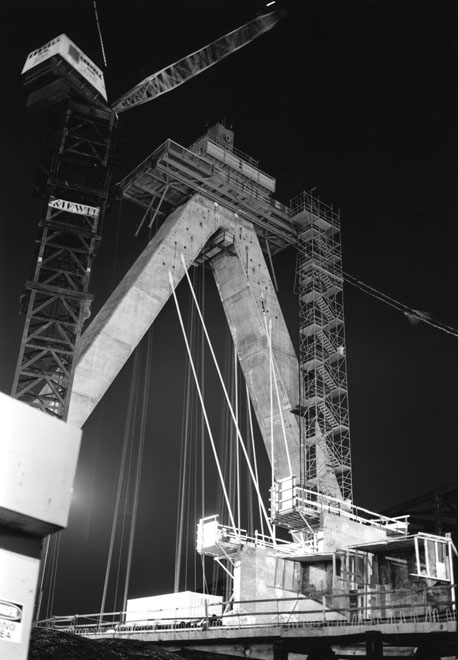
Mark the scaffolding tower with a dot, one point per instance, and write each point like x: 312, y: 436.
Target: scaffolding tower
x: 323, y: 407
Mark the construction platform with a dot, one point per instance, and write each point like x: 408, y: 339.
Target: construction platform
x: 292, y: 504
x: 394, y: 638
x: 172, y: 174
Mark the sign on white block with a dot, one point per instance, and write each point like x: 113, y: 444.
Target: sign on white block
x: 70, y: 52
x: 11, y: 621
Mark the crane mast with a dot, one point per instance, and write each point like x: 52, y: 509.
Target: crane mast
x: 78, y: 167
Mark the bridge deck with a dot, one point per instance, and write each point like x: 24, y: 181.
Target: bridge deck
x: 278, y: 632
x: 392, y: 639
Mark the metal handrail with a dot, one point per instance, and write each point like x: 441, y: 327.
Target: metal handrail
x: 266, y: 612
x: 352, y: 511
x: 308, y: 202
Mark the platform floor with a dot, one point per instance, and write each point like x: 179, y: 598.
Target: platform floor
x: 280, y: 642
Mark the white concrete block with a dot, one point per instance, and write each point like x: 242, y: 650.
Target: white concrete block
x: 38, y: 457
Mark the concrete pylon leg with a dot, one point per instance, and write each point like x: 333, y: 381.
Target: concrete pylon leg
x: 137, y: 300
x: 250, y: 303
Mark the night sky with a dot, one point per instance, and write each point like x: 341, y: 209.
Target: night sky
x: 356, y: 98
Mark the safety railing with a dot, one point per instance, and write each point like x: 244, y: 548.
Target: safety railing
x: 305, y: 201
x: 221, y: 533
x: 309, y: 499
x: 201, y: 142
x: 433, y: 605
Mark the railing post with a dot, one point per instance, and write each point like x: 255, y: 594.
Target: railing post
x: 324, y: 608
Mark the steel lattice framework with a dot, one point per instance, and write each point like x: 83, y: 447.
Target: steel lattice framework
x: 323, y: 409
x: 57, y: 302
x: 179, y: 72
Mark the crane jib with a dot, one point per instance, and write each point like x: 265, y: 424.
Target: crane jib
x: 191, y: 65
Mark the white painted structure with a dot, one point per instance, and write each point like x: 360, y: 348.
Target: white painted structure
x: 38, y: 457
x: 68, y: 51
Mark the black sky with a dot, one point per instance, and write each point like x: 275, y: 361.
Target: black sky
x: 357, y: 98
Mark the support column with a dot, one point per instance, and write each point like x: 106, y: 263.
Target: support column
x: 374, y: 645
x: 280, y: 651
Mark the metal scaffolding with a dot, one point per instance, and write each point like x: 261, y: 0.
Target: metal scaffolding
x: 323, y: 407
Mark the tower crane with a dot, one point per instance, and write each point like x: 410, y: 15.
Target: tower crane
x: 61, y: 79
x: 338, y: 548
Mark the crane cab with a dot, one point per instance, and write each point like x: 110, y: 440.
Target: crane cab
x: 59, y: 70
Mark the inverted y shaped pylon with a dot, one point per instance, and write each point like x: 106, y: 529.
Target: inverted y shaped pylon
x: 248, y: 299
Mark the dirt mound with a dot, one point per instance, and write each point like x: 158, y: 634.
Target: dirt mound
x: 48, y: 644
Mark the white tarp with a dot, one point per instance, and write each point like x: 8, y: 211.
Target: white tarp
x: 173, y: 607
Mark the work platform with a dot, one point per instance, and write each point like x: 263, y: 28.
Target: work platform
x: 172, y: 174
x: 399, y: 636
x: 292, y: 503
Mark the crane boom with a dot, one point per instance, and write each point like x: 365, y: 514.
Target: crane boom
x: 176, y: 74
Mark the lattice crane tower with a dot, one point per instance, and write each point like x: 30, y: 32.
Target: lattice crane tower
x: 77, y: 160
